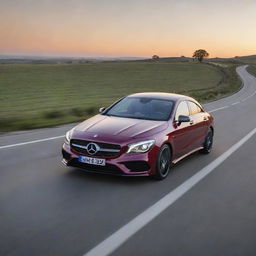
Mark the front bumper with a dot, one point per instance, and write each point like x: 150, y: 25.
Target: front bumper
x: 123, y: 165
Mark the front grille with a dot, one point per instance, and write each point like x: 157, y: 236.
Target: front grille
x: 136, y: 166
x: 107, y: 169
x: 106, y: 149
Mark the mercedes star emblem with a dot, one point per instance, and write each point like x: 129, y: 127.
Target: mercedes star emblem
x: 92, y: 148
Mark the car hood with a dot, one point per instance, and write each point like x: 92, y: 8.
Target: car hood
x: 111, y: 128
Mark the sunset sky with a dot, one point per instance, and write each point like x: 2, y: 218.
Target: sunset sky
x: 224, y: 28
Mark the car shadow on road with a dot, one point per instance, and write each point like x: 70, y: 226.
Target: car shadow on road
x: 180, y: 172
x: 77, y: 173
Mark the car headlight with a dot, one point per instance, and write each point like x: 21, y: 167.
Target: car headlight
x: 68, y: 137
x: 140, y: 147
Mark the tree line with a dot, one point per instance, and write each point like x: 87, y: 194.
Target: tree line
x: 198, y: 54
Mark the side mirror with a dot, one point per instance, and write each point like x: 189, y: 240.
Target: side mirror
x: 183, y: 119
x: 101, y: 109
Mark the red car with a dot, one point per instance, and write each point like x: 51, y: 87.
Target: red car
x: 142, y: 134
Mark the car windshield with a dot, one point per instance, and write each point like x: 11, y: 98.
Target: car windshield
x: 142, y: 108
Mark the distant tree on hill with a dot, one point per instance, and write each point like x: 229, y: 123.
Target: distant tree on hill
x: 155, y: 57
x: 200, y: 54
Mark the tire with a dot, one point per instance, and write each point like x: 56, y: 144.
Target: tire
x: 163, y: 163
x: 208, y: 142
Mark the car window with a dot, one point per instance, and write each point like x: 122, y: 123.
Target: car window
x: 142, y: 108
x: 182, y: 109
x: 194, y: 108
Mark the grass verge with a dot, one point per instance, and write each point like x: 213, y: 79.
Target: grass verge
x: 43, y: 95
x: 252, y: 69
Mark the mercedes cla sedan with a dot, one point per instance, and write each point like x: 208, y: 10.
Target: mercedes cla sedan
x: 142, y: 134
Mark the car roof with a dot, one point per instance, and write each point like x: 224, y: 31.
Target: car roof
x: 162, y: 95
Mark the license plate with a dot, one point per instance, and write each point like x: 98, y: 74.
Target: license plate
x: 90, y: 160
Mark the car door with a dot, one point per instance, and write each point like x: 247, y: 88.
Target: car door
x: 181, y: 136
x: 199, y: 124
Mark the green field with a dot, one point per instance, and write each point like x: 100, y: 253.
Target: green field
x: 252, y: 69
x: 39, y: 95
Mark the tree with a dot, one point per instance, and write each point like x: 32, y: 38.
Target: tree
x: 200, y: 54
x: 155, y: 57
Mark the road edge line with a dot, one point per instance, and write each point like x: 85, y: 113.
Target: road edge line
x: 119, y: 237
x: 31, y: 142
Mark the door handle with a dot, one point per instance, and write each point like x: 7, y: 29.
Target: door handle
x: 205, y: 118
x: 191, y: 122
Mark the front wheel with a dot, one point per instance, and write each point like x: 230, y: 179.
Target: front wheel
x: 207, y: 146
x: 163, y: 164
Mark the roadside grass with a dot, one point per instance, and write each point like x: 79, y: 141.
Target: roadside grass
x: 229, y: 83
x: 252, y: 69
x: 42, y: 95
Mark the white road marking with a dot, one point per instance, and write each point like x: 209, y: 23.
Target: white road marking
x: 214, y: 110
x: 30, y: 142
x: 245, y: 99
x: 114, y: 241
x: 248, y: 97
x: 235, y: 103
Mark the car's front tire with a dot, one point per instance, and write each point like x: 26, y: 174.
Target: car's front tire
x: 163, y: 164
x: 207, y: 146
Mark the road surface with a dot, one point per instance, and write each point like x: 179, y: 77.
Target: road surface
x: 206, y: 206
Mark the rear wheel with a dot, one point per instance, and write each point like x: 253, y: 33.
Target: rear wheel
x: 163, y: 165
x: 207, y: 146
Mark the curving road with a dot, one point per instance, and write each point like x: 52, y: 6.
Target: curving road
x: 206, y: 206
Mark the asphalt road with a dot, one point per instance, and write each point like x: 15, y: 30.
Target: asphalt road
x: 48, y: 209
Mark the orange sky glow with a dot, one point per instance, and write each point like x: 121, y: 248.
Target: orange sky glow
x: 140, y: 28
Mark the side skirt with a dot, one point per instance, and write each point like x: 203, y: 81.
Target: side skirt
x: 191, y: 152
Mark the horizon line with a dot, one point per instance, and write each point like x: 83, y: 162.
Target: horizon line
x: 25, y: 55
